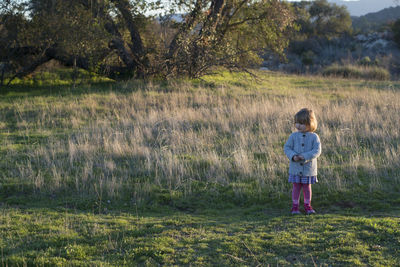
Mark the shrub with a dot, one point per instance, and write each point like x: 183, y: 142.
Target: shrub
x: 377, y: 73
x: 357, y: 72
x: 307, y: 58
x: 342, y: 71
x: 365, y: 61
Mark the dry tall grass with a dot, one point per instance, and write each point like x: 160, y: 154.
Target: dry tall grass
x: 130, y: 143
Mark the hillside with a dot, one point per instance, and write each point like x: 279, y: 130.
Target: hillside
x: 377, y: 20
x: 360, y: 8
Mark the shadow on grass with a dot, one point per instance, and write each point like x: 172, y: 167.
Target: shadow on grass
x: 220, y: 237
x: 20, y: 91
x: 203, y: 195
x: 12, y: 92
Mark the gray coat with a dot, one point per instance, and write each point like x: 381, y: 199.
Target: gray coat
x: 307, y: 145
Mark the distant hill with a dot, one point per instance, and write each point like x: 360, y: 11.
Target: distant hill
x: 362, y: 7
x: 376, y: 21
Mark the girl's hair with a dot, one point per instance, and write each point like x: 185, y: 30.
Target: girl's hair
x: 307, y: 117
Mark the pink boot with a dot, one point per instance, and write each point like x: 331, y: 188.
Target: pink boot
x: 309, y: 210
x: 307, y: 199
x: 295, y: 209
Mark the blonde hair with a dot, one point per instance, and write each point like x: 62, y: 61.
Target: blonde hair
x: 307, y: 117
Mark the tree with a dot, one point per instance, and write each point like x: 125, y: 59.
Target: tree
x: 12, y: 28
x: 322, y: 19
x: 118, y: 36
x: 51, y: 30
x: 70, y: 33
x: 227, y: 33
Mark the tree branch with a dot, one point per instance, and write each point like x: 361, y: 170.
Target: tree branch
x: 123, y: 6
x: 29, y: 69
x: 262, y: 16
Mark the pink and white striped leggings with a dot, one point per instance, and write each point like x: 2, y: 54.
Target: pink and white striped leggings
x: 306, y: 193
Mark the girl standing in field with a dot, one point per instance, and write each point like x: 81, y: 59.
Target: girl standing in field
x: 302, y: 149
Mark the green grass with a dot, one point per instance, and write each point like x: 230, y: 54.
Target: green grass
x: 53, y: 235
x: 193, y: 173
x: 58, y: 77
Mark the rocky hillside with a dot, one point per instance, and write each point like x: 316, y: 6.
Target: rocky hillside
x: 313, y: 55
x: 371, y: 43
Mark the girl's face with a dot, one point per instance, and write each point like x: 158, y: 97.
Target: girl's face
x: 301, y: 127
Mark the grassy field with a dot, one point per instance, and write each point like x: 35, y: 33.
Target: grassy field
x: 193, y: 173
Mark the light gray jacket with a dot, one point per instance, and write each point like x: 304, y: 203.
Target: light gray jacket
x: 307, y: 145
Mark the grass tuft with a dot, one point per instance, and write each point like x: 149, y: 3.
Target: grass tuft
x: 357, y: 72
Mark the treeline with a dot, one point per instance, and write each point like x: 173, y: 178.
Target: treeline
x: 327, y: 39
x: 118, y: 37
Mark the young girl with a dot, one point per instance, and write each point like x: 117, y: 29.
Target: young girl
x: 302, y: 149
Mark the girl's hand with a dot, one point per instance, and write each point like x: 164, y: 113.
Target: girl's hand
x: 297, y: 158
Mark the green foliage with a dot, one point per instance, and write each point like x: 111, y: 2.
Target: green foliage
x: 308, y: 57
x: 231, y: 35
x: 321, y: 19
x: 60, y: 76
x: 117, y: 37
x: 358, y: 72
x: 365, y: 61
x: 73, y: 28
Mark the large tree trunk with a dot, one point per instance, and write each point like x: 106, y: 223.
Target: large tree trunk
x: 117, y: 43
x: 199, y: 28
x: 123, y: 6
x: 190, y: 22
x: 136, y: 47
x: 173, y: 63
x: 133, y: 54
x: 3, y: 70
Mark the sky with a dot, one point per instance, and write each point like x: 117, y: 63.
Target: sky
x: 362, y: 7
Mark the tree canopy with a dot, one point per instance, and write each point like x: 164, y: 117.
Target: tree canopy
x: 118, y: 36
x: 320, y: 18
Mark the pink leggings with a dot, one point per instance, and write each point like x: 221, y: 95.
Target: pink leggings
x: 306, y: 193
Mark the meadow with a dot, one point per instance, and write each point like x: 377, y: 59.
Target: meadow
x: 192, y: 172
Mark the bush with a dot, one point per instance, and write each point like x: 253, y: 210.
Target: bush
x: 307, y: 58
x: 365, y: 61
x: 377, y: 73
x: 357, y: 72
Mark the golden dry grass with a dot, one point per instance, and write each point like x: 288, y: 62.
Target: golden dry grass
x: 137, y: 138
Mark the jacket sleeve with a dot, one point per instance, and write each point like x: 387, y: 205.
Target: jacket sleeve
x: 314, y: 152
x: 288, y: 148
